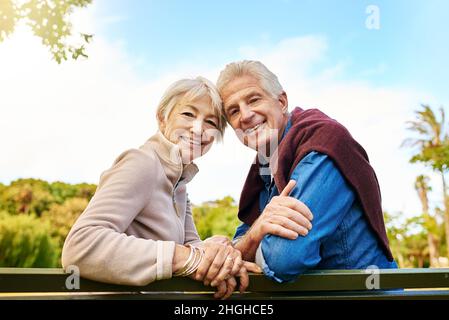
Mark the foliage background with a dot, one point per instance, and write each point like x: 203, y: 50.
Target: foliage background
x: 36, y: 216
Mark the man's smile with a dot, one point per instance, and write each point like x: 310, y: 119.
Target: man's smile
x: 256, y: 128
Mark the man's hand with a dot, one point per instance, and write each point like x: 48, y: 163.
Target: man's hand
x: 284, y: 216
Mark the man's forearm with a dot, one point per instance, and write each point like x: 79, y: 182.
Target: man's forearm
x: 248, y: 245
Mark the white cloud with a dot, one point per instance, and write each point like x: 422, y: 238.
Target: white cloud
x: 68, y: 122
x: 379, y: 69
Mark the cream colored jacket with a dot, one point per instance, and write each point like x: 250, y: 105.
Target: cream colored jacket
x: 128, y: 231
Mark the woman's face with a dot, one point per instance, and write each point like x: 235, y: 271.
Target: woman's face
x: 192, y: 125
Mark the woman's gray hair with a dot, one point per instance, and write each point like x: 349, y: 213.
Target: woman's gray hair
x: 188, y: 90
x: 268, y: 80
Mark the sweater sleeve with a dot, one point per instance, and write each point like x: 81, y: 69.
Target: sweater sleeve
x: 191, y: 234
x: 97, y: 243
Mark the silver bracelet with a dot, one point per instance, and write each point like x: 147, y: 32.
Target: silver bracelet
x: 182, y: 270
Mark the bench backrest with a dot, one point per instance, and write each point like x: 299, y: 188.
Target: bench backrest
x: 371, y: 283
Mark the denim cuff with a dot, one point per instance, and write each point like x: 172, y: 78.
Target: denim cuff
x: 260, y: 261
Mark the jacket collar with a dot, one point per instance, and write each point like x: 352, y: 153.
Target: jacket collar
x: 170, y: 157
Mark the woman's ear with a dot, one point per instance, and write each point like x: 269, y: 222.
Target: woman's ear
x: 161, y: 122
x: 283, y: 100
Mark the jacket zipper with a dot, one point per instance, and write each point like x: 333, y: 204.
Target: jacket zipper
x: 173, y: 195
x: 178, y: 221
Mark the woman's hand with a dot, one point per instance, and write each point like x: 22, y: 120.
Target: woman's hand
x: 217, y: 258
x: 219, y: 239
x: 219, y: 267
x: 226, y: 287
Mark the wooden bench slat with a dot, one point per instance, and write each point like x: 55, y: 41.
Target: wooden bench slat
x: 53, y: 280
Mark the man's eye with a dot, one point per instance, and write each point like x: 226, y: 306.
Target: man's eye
x: 232, y: 112
x: 188, y: 114
x: 254, y: 99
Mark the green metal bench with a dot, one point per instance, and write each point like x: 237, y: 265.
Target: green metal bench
x: 18, y: 283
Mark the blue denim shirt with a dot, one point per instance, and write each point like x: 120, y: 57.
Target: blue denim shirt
x: 340, y: 237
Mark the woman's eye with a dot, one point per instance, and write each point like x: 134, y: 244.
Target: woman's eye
x: 211, y: 123
x: 232, y: 112
x: 188, y: 114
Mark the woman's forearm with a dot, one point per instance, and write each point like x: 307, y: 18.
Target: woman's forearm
x: 180, y: 257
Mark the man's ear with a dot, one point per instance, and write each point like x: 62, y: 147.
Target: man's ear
x: 283, y: 100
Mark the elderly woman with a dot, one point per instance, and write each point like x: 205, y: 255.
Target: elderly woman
x: 138, y: 227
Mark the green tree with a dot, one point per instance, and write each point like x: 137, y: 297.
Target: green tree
x: 216, y: 218
x: 61, y: 218
x: 48, y: 19
x: 440, y: 230
x: 417, y: 250
x: 409, y: 239
x: 26, y: 196
x: 62, y: 191
x: 430, y: 225
x: 25, y: 242
x: 34, y: 196
x: 433, y: 142
x: 48, y: 207
x: 85, y: 190
x: 414, y: 242
x: 395, y: 234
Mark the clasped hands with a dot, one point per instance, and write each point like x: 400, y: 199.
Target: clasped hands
x: 221, y: 265
x: 284, y: 216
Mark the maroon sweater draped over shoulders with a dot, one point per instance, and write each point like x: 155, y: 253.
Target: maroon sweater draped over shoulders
x: 312, y: 130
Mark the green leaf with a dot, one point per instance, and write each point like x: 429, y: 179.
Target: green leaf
x: 49, y: 20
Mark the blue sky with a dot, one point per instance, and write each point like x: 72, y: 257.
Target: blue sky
x: 82, y: 114
x: 412, y: 44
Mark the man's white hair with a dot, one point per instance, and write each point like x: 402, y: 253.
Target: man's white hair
x: 189, y: 90
x: 268, y: 80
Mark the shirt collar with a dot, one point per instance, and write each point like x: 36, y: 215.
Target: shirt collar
x: 287, y: 127
x: 268, y: 177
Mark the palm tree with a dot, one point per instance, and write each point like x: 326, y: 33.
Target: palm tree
x: 422, y: 188
x: 434, y: 149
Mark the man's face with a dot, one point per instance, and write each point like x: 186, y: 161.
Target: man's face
x: 257, y: 118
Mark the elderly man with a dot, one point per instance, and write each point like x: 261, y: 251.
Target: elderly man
x: 331, y: 176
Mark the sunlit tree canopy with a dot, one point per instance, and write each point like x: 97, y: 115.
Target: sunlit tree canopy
x: 48, y: 20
